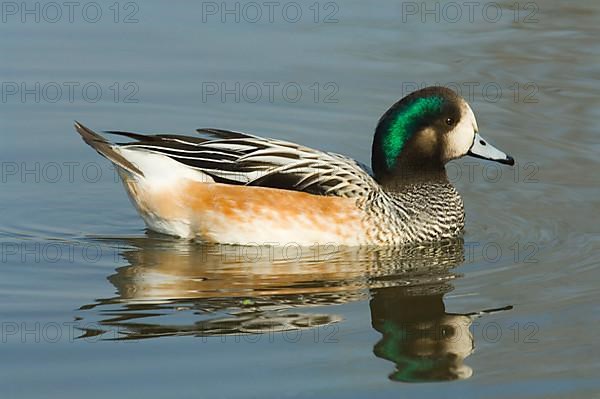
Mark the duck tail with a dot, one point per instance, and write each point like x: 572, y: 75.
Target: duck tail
x: 106, y: 149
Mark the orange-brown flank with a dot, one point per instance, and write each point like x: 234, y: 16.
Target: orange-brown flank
x: 236, y: 214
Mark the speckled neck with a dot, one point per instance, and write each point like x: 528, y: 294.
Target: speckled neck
x: 408, y: 177
x: 415, y: 212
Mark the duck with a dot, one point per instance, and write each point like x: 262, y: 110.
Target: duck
x: 230, y: 187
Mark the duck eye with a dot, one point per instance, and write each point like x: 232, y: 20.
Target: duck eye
x: 449, y: 121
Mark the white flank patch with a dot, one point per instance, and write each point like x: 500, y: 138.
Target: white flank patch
x: 161, y: 170
x: 161, y: 174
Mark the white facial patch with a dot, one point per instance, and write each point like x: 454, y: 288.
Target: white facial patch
x: 460, y: 139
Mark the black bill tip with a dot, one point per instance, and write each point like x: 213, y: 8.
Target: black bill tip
x: 508, y: 161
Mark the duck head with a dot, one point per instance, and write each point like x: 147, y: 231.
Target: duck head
x: 419, y: 134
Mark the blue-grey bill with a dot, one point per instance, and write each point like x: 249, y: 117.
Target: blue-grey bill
x: 483, y: 149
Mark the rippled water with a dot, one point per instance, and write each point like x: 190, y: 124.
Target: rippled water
x: 94, y: 305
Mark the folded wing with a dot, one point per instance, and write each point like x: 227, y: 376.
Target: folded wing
x: 238, y: 158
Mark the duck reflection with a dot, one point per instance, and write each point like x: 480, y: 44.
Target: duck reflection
x: 177, y: 288
x: 425, y: 342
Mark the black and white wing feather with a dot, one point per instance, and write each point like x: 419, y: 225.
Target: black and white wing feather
x: 238, y: 158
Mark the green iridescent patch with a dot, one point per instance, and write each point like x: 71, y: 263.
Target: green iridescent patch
x: 402, y: 127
